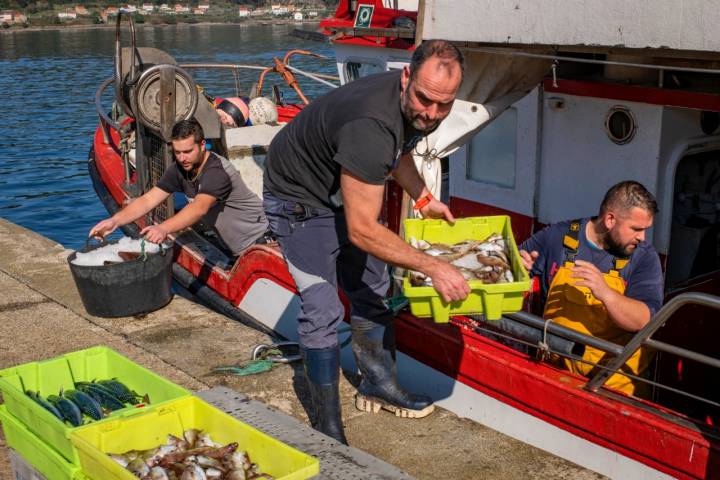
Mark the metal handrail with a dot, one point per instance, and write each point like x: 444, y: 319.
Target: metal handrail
x: 643, y: 337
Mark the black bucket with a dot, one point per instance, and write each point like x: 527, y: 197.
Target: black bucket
x: 124, y: 289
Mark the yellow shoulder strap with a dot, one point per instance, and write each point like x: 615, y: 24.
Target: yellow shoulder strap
x: 571, y: 241
x: 620, y: 263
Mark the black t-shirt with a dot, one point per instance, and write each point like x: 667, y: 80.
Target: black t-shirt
x: 358, y: 126
x: 237, y: 215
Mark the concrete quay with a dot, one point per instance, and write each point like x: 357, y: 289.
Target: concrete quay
x: 41, y: 316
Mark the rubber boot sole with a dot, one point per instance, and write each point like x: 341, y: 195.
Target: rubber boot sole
x: 374, y: 405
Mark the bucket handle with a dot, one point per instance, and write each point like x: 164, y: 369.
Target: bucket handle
x: 100, y: 243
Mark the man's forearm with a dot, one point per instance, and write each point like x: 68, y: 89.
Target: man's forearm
x: 133, y: 211
x: 186, y: 217
x: 627, y: 313
x: 379, y: 241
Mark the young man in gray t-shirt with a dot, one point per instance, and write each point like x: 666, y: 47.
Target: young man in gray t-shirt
x: 215, y: 191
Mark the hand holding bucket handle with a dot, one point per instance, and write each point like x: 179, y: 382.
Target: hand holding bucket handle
x: 104, y: 228
x: 100, y: 242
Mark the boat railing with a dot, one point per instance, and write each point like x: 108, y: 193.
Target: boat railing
x: 620, y: 354
x: 643, y: 338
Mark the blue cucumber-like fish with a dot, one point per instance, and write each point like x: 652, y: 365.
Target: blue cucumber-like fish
x: 102, y: 395
x: 69, y: 410
x: 121, y: 392
x: 88, y: 405
x: 45, y: 404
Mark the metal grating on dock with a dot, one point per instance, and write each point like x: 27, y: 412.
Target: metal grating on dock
x: 337, y: 461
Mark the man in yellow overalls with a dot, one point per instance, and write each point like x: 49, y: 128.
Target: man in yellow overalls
x: 600, y: 277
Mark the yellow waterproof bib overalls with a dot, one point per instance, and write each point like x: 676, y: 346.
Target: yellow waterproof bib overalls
x: 576, y: 307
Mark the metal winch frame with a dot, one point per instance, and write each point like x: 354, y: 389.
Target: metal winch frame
x: 156, y: 93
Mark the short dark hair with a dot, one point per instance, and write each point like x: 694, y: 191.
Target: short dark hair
x: 626, y: 195
x: 186, y: 128
x: 440, y: 48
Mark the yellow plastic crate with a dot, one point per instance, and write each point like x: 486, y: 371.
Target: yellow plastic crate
x: 46, y: 461
x: 150, y: 428
x: 493, y: 300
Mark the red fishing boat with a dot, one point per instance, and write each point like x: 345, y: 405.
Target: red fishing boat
x: 559, y: 102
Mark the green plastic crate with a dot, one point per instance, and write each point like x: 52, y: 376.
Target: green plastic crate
x: 492, y: 300
x: 49, y: 376
x: 44, y: 459
x: 151, y: 428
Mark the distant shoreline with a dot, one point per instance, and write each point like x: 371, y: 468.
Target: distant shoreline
x: 253, y: 22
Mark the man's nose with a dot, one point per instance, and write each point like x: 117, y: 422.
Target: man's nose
x: 432, y: 111
x: 641, y: 236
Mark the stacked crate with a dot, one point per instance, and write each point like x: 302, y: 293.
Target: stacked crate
x: 58, y: 451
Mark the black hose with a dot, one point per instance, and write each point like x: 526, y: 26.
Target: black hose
x: 528, y: 334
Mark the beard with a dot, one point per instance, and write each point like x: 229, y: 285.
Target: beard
x: 616, y: 248
x: 413, y: 118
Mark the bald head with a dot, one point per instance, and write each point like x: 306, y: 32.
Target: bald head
x: 446, y: 57
x: 429, y: 85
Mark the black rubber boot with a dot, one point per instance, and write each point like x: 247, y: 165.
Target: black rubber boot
x: 374, y: 347
x: 322, y: 370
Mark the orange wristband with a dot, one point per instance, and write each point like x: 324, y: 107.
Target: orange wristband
x: 423, y: 201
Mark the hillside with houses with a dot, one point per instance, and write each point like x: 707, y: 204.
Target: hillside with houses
x: 24, y: 13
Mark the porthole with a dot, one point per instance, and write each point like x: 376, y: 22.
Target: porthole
x: 620, y: 125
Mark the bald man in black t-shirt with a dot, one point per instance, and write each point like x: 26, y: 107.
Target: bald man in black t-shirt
x: 350, y: 141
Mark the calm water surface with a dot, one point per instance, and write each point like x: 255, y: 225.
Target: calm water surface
x: 48, y: 81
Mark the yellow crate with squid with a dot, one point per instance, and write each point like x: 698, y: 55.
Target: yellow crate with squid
x: 484, y: 249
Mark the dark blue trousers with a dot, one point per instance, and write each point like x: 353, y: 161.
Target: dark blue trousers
x: 320, y: 258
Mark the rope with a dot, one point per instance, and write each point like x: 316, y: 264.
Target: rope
x: 143, y: 253
x: 430, y: 154
x: 543, y: 352
x: 253, y: 367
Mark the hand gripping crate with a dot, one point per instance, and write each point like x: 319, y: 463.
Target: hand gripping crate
x: 150, y: 429
x: 49, y: 376
x: 492, y: 300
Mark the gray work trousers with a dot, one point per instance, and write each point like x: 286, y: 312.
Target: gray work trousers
x: 320, y: 258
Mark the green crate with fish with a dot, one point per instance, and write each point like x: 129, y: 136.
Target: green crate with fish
x: 35, y: 453
x: 484, y: 250
x: 55, y: 397
x: 187, y: 439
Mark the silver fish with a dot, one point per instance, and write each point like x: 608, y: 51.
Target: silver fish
x: 238, y: 474
x: 191, y: 436
x: 193, y: 472
x: 120, y: 459
x: 207, y: 462
x: 159, y: 473
x: 213, y: 473
x: 139, y: 467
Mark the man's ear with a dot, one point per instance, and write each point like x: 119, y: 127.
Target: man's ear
x: 202, y: 145
x: 610, y: 219
x: 405, y: 78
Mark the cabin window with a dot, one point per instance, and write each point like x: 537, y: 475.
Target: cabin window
x: 357, y: 69
x: 493, y: 152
